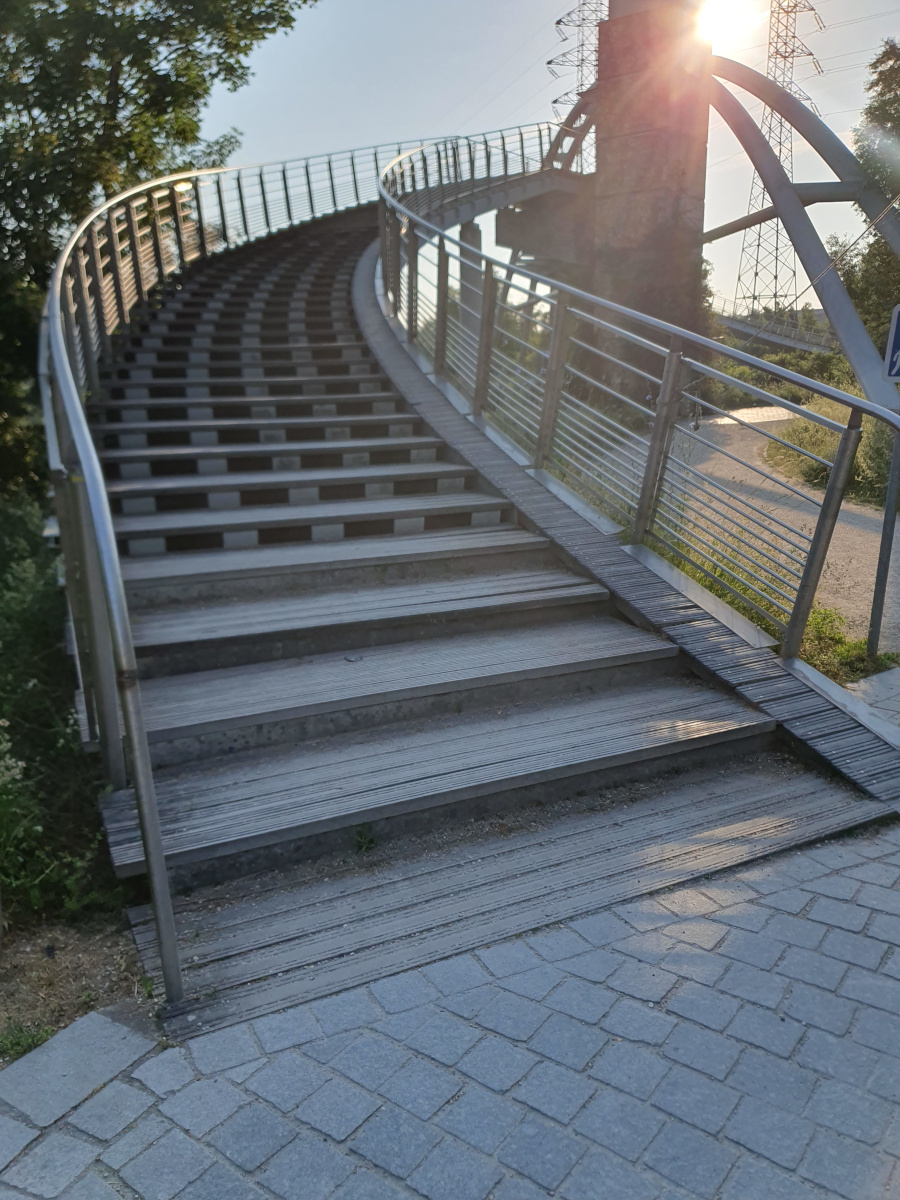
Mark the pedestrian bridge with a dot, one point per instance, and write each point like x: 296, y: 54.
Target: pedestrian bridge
x: 365, y: 529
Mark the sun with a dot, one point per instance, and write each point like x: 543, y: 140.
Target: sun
x: 728, y: 24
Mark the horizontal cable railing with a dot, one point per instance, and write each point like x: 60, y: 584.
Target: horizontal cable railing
x: 638, y: 417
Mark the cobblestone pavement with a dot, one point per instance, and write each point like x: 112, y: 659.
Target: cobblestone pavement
x: 736, y: 1038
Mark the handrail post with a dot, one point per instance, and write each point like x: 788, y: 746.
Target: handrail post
x: 334, y: 199
x: 243, y: 206
x: 885, y: 553
x: 178, y: 226
x: 394, y: 262
x: 553, y: 380
x: 821, y: 541
x: 137, y: 265
x: 112, y: 239
x: 201, y: 224
x: 88, y: 319
x: 412, y: 282
x: 440, y: 323
x: 95, y: 271
x: 309, y: 189
x: 354, y: 177
x: 222, y: 217
x: 485, y: 340
x: 264, y: 201
x: 287, y: 195
x: 660, y: 442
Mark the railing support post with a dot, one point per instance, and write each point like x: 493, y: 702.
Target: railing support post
x: 178, y: 226
x: 818, y: 551
x: 556, y: 363
x: 485, y: 340
x: 137, y: 266
x: 660, y: 442
x: 884, y: 556
x: 440, y: 322
x: 412, y: 282
x: 394, y: 259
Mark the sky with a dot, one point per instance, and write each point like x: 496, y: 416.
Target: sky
x: 353, y: 73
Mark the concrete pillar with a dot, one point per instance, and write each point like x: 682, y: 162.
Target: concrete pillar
x: 470, y: 281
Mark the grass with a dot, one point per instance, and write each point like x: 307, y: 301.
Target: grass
x: 843, y: 659
x: 18, y: 1039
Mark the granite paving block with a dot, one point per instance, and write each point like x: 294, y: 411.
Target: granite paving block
x: 533, y: 984
x: 757, y: 1180
x: 853, y: 948
x: 619, y: 1123
x: 202, y: 1105
x: 519, y: 1189
x: 629, y: 1068
x: 845, y: 1167
x: 595, y: 966
x: 743, y: 916
x: 509, y: 958
x: 882, y: 899
x: 835, y: 887
x: 771, y: 1132
x: 444, y: 1038
x: 14, y: 1137
x: 567, y: 1041
x: 642, y: 981
x: 370, y: 1059
x: 147, y: 1131
x: 395, y: 1141
x: 220, y: 1183
x: 879, y: 1030
x: 885, y: 928
x: 554, y: 944
x: 695, y: 1099
x: 699, y: 932
x: 780, y: 1084
x: 752, y: 984
x: 453, y: 1172
x: 813, y: 1006
x: 793, y: 931
x: 225, y: 1048
x: 602, y: 1173
x: 837, y: 1057
x: 470, y: 1004
x: 460, y: 974
x: 421, y: 1088
x: 324, y: 1050
x: 813, y: 968
x: 166, y: 1072
x: 50, y: 1165
x: 690, y: 1158
x: 252, y: 1136
x: 692, y: 962
x: 54, y: 1078
x: 512, y: 1016
x: 400, y: 992
x: 307, y: 1169
x: 169, y: 1165
x: 366, y: 1185
x: 885, y: 1080
x: 703, y: 1005
x: 111, y: 1110
x: 638, y: 1023
x: 337, y: 1108
x: 496, y: 1064
x: 287, y: 1080
x: 242, y: 1073
x: 871, y: 989
x: 580, y: 999
x: 480, y: 1118
x: 645, y: 914
x: 347, y: 1010
x: 875, y: 872
x: 541, y: 1152
x: 725, y: 891
x: 702, y: 1049
x: 791, y: 900
x: 402, y: 1025
x: 601, y: 929
x: 848, y: 1110
x: 89, y: 1187
x: 756, y: 949
x: 840, y: 915
x: 282, y: 1030
x: 555, y: 1091
x: 649, y: 947
x: 759, y: 1027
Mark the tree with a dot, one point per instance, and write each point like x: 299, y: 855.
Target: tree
x: 877, y: 137
x: 96, y: 95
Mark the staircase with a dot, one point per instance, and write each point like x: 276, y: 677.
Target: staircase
x: 337, y: 621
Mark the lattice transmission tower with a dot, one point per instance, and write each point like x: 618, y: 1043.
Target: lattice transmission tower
x: 767, y: 281
x: 578, y: 63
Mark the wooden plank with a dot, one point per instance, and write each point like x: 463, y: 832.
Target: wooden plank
x: 307, y: 477
x: 270, y: 449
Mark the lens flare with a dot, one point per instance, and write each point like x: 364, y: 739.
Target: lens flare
x: 729, y: 24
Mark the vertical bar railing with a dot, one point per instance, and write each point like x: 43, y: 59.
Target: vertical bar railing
x: 553, y: 380
x: 485, y: 340
x: 441, y: 314
x: 660, y: 442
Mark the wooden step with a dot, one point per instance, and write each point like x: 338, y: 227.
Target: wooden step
x: 253, y: 800
x: 411, y: 443
x: 253, y: 425
x: 100, y: 409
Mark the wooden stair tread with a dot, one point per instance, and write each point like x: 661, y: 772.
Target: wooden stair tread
x: 211, y: 424
x: 271, y: 449
x: 310, y: 477
x: 338, y: 399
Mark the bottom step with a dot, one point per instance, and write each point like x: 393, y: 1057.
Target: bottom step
x: 246, y: 801
x: 276, y: 942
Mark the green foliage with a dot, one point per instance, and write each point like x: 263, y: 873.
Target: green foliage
x: 364, y: 839
x: 827, y: 648
x: 52, y: 861
x: 877, y: 137
x: 18, y: 1039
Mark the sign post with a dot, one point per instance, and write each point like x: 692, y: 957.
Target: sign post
x: 892, y: 355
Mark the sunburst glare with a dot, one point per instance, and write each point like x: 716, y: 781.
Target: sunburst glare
x: 729, y: 24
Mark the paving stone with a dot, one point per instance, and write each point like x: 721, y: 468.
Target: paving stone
x: 395, y: 1141
x: 519, y: 1189
x: 307, y: 1169
x: 496, y: 1064
x: 702, y: 1049
x: 771, y: 1132
x: 509, y: 958
x: 691, y: 901
x: 644, y: 914
x: 282, y: 1030
x: 400, y: 992
x: 842, y: 916
x: 846, y: 1109
x: 619, y: 1123
x: 580, y: 999
x: 849, y: 1169
x: 202, y: 1105
x: 834, y: 856
x: 219, y: 1183
x: 568, y: 1041
x: 72, y: 1065
x: 813, y: 1006
x: 892, y: 966
x: 764, y: 877
x: 756, y: 949
x: 347, y: 1010
x: 555, y: 944
x: 328, y: 1048
x: 111, y: 1110
x: 242, y: 1073
x: 780, y: 1084
x: 453, y: 1172
x: 692, y: 962
x: 555, y: 1091
x: 161, y: 1171
x: 643, y: 981
x: 89, y: 1187
x: 837, y: 1057
x: 879, y: 1030
x: 601, y: 929
x: 460, y: 974
x: 226, y: 1048
x: 512, y: 1016
x: 703, y: 1005
x: 796, y: 932
x: 752, y: 984
x: 853, y: 948
x: 699, y: 932
x: 891, y: 1141
x: 638, y: 1023
x: 480, y: 1118
x: 51, y: 1164
x: 791, y: 900
x: 470, y: 1004
x: 695, y: 1099
x: 595, y: 966
x: 648, y: 947
x: 743, y: 916
x: 534, y: 984
x: 421, y: 1088
x: 875, y: 872
x: 886, y: 928
x: 886, y: 1080
x: 812, y: 968
x: 690, y: 1158
x: 147, y: 1131
x: 726, y: 891
x: 365, y: 1185
x: 287, y: 1080
x: 629, y: 1068
x: 601, y: 1173
x: 14, y: 1136
x: 338, y: 1108
x: 402, y: 1025
x: 370, y: 1060
x: 882, y: 899
x: 166, y: 1072
x: 757, y: 1180
x: 444, y: 1038
x: 835, y: 887
x: 252, y: 1136
x: 771, y: 1032
x: 541, y: 1152
x: 871, y: 989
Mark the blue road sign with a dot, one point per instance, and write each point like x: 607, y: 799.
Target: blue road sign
x: 892, y: 357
